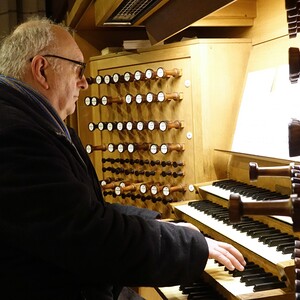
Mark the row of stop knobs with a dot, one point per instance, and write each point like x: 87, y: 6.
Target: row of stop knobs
x: 136, y: 76
x: 142, y: 162
x: 132, y: 147
x: 138, y: 125
x: 122, y: 187
x: 144, y: 198
x: 147, y: 173
x: 125, y: 166
x: 129, y: 98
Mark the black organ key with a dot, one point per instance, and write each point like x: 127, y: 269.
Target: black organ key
x: 245, y: 227
x: 268, y: 286
x: 254, y: 275
x: 243, y: 189
x: 232, y: 186
x: 256, y: 232
x: 240, y: 226
x: 262, y: 195
x: 289, y: 249
x: 201, y: 290
x: 194, y: 289
x: 255, y: 270
x: 267, y: 233
x: 272, y: 239
x: 254, y: 191
x: 278, y: 242
x: 248, y: 277
x: 272, y: 196
x: 266, y: 238
x: 250, y: 268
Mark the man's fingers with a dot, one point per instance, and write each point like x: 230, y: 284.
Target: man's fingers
x: 226, y: 254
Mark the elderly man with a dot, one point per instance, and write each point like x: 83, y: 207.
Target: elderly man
x: 59, y: 239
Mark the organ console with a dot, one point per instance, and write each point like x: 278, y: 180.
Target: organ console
x: 212, y: 180
x: 263, y: 224
x: 268, y: 242
x: 189, y: 146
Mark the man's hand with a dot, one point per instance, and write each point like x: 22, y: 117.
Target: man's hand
x: 222, y: 252
x: 226, y: 254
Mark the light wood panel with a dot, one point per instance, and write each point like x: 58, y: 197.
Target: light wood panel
x: 238, y: 13
x: 211, y: 83
x: 270, y: 22
x: 180, y: 15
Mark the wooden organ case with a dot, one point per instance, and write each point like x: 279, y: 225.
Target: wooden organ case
x: 202, y: 149
x: 155, y: 117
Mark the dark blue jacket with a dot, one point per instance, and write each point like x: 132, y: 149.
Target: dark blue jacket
x: 59, y: 239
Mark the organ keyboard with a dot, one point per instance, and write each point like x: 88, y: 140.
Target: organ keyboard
x: 268, y: 241
x: 219, y: 283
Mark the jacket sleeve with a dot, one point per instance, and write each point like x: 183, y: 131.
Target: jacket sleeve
x: 136, y: 211
x: 48, y: 211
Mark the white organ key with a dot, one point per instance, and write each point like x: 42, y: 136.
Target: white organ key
x: 269, y: 253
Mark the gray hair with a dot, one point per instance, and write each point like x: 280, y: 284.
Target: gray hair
x: 33, y: 37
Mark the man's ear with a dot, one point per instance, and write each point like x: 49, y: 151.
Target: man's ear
x: 38, y: 68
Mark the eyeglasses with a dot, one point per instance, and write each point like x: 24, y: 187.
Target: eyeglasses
x: 82, y: 64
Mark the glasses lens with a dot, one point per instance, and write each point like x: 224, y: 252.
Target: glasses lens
x: 81, y: 73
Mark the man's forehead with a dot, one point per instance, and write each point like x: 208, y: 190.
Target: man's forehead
x: 67, y: 43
